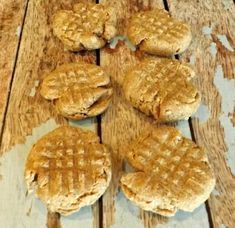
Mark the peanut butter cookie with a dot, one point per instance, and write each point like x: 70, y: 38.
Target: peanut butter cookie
x: 80, y: 90
x: 156, y: 32
x: 161, y: 88
x: 88, y: 26
x: 172, y: 172
x: 68, y: 168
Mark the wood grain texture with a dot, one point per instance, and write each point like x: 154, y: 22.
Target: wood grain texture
x: 27, y: 112
x: 212, y: 54
x: 11, y: 21
x: 121, y: 124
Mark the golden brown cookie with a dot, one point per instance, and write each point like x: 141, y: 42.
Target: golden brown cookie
x: 80, y: 90
x: 68, y: 168
x: 87, y: 26
x: 172, y: 172
x: 157, y: 33
x: 161, y: 88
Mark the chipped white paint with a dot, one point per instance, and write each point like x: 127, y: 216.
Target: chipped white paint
x: 215, y: 192
x: 203, y: 113
x: 89, y: 124
x: 226, y: 89
x: 223, y: 39
x: 192, y: 59
x: 222, y: 226
x: 213, y: 49
x: 196, y: 219
x: 18, y: 30
x: 115, y: 40
x: 227, y: 4
x: 17, y: 209
x: 206, y: 30
x: 33, y: 90
x: 183, y: 126
x: 80, y: 219
x: 126, y: 213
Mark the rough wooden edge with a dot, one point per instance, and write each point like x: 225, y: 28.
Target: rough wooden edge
x: 10, y: 50
x: 213, y: 58
x: 14, y: 101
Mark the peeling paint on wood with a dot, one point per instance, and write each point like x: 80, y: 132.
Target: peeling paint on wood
x: 192, y: 59
x: 17, y: 208
x: 18, y: 30
x: 213, y: 49
x: 210, y: 134
x: 89, y: 124
x: 206, y: 30
x: 115, y: 40
x: 196, y: 219
x: 79, y: 219
x: 33, y: 90
x: 184, y: 128
x: 203, y: 113
x: 224, y: 87
x: 227, y: 4
x: 222, y: 226
x: 27, y: 209
x: 224, y: 40
x: 127, y: 213
x: 215, y: 192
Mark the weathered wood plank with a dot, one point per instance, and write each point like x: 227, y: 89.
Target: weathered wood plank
x: 121, y: 124
x: 212, y: 54
x: 29, y: 116
x: 11, y: 19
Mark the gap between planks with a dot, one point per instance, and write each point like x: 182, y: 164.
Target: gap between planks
x: 99, y: 119
x: 12, y: 74
x: 209, y: 215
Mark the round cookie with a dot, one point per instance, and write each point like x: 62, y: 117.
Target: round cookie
x: 157, y: 33
x: 80, y: 90
x: 68, y: 168
x: 172, y: 172
x: 161, y: 88
x: 88, y: 26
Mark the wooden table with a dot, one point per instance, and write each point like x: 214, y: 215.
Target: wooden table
x: 28, y: 49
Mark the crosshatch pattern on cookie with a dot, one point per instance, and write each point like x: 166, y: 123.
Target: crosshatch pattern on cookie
x: 172, y: 172
x: 169, y: 157
x: 161, y: 88
x: 80, y: 90
x: 158, y: 33
x: 87, y: 26
x: 68, y: 163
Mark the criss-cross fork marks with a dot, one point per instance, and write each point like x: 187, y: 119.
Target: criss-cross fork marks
x: 69, y: 165
x: 171, y: 160
x: 85, y: 18
x: 160, y: 25
x: 159, y: 82
x: 73, y: 75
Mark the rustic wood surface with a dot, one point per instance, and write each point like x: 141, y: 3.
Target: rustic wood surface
x: 213, y: 57
x: 28, y: 49
x: 11, y: 20
x: 122, y: 123
x: 29, y: 116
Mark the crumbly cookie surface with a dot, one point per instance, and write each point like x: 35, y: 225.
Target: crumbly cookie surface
x: 87, y: 26
x: 80, y: 90
x: 157, y: 33
x: 68, y: 168
x: 172, y: 172
x: 161, y: 88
